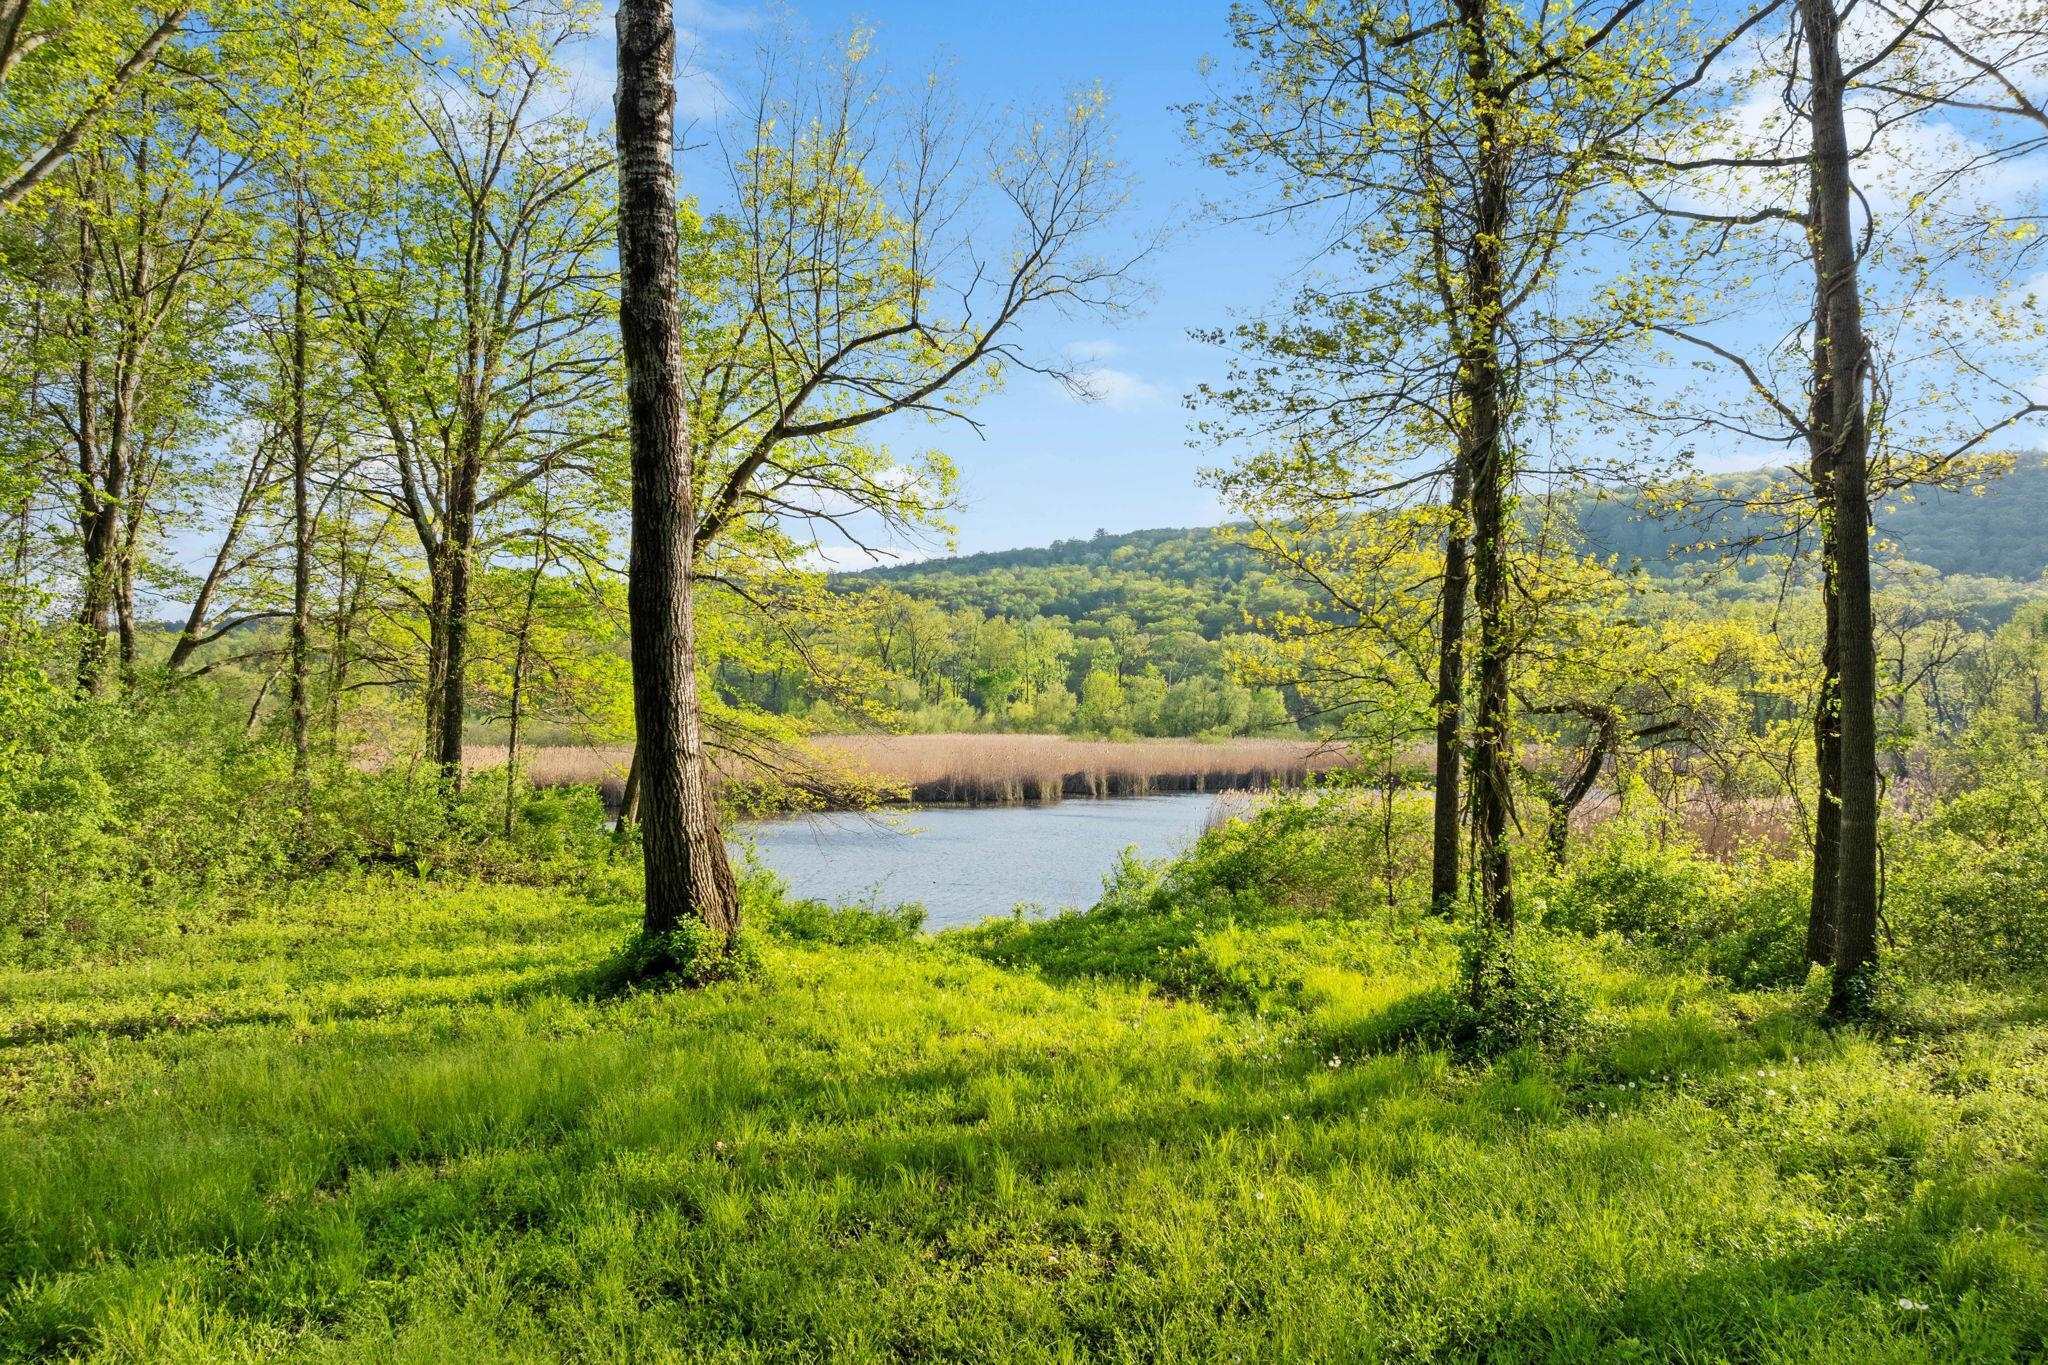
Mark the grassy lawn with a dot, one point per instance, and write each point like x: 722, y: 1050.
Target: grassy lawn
x: 386, y: 1121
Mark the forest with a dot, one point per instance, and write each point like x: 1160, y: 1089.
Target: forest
x: 473, y: 476
x: 1140, y: 629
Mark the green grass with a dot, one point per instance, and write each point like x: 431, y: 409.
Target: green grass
x: 384, y: 1121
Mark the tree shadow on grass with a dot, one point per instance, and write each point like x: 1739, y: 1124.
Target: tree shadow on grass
x: 953, y: 1127
x: 173, y: 1017
x: 1925, y: 1282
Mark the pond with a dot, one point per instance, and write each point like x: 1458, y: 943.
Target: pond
x: 966, y: 863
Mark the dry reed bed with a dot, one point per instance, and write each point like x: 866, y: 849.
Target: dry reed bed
x: 992, y: 769
x: 971, y: 769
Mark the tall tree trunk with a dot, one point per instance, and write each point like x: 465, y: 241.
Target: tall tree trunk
x: 520, y: 654
x: 458, y: 548
x: 1491, y: 740
x: 124, y: 608
x: 1847, y: 437
x: 437, y: 640
x: 1827, y: 715
x: 302, y: 524
x: 345, y: 604
x: 683, y: 851
x: 1485, y: 442
x: 1827, y: 755
x: 1446, y: 829
x: 96, y: 511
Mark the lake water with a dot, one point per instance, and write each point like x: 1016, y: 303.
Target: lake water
x: 966, y: 863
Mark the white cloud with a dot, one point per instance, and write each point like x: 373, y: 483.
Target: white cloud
x: 1113, y: 388
x: 1090, y: 379
x: 1093, y: 352
x: 844, y: 558
x: 591, y: 64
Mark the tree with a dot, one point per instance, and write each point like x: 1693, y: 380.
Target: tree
x: 688, y: 874
x: 144, y: 229
x: 1459, y: 151
x: 64, y: 69
x: 317, y: 105
x: 474, y: 296
x: 1736, y: 188
x: 844, y: 289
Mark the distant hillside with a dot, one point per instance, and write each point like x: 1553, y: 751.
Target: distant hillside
x: 2002, y: 534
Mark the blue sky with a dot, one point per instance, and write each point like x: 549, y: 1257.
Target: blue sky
x: 1050, y: 465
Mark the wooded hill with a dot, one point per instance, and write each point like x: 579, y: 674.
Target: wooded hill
x: 1996, y: 534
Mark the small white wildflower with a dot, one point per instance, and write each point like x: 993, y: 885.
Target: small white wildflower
x: 1913, y: 1305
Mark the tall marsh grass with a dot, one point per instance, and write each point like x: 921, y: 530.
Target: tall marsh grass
x: 974, y: 769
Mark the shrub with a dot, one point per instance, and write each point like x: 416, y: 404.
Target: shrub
x: 1518, y: 993
x: 1512, y: 993
x: 108, y: 809
x: 691, y: 954
x: 1967, y: 888
x: 1745, y: 923
x: 1754, y: 936
x: 118, y: 815
x: 1625, y: 881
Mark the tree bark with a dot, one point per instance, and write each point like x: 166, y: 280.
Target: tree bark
x: 302, y: 524
x: 1847, y: 440
x: 1827, y: 754
x: 124, y: 606
x: 1450, y: 699
x: 434, y: 690
x: 1487, y: 453
x: 457, y: 548
x: 96, y: 510
x: 629, y: 796
x: 520, y: 654
x: 682, y: 848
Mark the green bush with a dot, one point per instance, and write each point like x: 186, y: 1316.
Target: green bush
x: 1754, y: 936
x: 1511, y: 994
x: 1967, y: 887
x: 691, y: 954
x: 1744, y: 922
x: 118, y: 815
x: 1623, y: 880
x: 1518, y: 993
x: 109, y: 810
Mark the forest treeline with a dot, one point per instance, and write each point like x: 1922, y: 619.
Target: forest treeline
x: 1993, y: 532
x: 1136, y: 632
